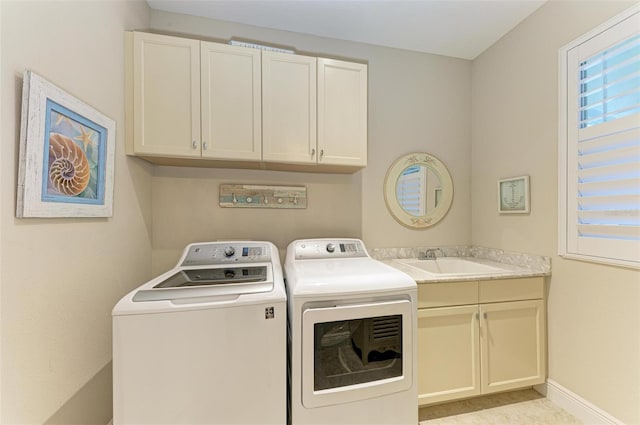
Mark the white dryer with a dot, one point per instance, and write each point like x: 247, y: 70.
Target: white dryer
x: 204, y: 343
x: 352, y: 330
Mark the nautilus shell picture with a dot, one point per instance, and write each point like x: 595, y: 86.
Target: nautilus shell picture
x: 73, y: 150
x: 67, y: 154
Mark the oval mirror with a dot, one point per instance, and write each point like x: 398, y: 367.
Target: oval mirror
x: 418, y: 190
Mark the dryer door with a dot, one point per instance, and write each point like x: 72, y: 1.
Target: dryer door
x: 356, y: 352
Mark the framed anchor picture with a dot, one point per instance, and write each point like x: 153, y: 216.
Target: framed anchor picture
x: 66, y: 154
x: 513, y: 195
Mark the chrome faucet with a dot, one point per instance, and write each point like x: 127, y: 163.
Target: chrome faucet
x: 431, y: 254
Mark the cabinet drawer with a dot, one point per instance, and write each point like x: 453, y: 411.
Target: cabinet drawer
x: 447, y: 294
x: 499, y: 290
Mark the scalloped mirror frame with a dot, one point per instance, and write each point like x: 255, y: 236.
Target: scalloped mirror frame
x: 391, y: 181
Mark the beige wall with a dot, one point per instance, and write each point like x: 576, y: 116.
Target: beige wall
x: 417, y: 102
x: 594, y: 310
x: 61, y: 277
x: 186, y: 209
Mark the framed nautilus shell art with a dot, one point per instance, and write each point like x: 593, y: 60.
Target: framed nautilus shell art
x: 66, y: 154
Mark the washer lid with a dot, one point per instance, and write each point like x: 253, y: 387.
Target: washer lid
x: 217, y: 276
x: 200, y: 282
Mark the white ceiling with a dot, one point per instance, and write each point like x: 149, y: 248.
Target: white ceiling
x: 457, y: 28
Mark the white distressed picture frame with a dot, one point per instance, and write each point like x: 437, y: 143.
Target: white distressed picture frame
x: 49, y: 189
x: 513, y: 195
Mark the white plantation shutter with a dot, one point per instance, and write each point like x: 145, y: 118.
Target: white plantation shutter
x: 411, y: 184
x: 599, y: 164
x: 609, y: 83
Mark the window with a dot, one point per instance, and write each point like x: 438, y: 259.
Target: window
x: 599, y: 144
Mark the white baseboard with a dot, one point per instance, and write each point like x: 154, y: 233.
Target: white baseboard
x: 582, y: 409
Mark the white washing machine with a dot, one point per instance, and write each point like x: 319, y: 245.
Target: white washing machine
x: 204, y: 343
x: 352, y: 330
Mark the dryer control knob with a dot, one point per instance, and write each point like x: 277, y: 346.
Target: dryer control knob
x: 229, y: 251
x: 331, y: 247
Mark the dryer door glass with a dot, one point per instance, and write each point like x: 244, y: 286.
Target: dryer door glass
x: 354, y: 352
x: 350, y: 352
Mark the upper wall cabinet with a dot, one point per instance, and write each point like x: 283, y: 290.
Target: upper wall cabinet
x: 193, y: 102
x: 195, y: 99
x: 314, y: 110
x: 231, y: 109
x: 289, y: 108
x: 166, y: 95
x: 342, y: 113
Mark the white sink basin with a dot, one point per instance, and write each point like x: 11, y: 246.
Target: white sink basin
x: 452, y: 266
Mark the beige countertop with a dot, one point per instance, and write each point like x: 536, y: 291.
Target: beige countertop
x: 511, y: 271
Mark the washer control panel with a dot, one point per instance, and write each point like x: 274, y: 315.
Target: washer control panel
x: 226, y: 252
x: 329, y: 248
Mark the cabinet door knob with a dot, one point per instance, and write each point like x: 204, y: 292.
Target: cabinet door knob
x: 194, y: 144
x: 484, y: 314
x: 313, y: 152
x: 204, y: 145
x: 321, y: 153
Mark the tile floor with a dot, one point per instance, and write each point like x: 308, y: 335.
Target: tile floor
x: 525, y: 407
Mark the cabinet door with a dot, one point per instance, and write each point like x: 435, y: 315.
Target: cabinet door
x: 231, y: 110
x: 513, y: 345
x: 448, y: 353
x: 342, y: 113
x: 166, y: 95
x: 288, y: 108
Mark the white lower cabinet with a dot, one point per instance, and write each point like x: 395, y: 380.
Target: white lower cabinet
x: 448, y: 353
x: 512, y: 336
x: 480, y: 348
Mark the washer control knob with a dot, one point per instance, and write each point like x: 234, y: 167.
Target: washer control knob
x: 331, y: 247
x: 229, y: 251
